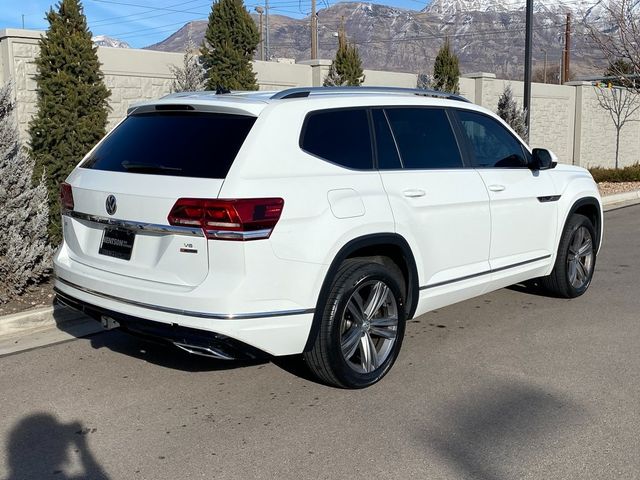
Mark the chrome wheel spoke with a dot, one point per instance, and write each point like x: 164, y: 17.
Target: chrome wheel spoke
x: 383, y: 332
x: 351, y: 341
x: 384, y: 322
x: 573, y: 272
x: 368, y: 353
x: 586, y: 248
x: 581, y: 271
x: 376, y: 299
x: 355, y: 308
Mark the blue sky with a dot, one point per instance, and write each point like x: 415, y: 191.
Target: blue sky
x: 144, y: 22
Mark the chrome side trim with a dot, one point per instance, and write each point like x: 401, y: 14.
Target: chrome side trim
x: 230, y: 235
x: 136, y: 226
x: 188, y: 313
x: 495, y: 270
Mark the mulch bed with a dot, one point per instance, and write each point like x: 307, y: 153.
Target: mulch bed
x: 42, y: 295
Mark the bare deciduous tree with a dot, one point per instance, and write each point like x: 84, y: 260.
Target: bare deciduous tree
x: 621, y: 104
x: 618, y: 37
x: 191, y: 76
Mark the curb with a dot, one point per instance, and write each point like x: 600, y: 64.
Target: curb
x: 632, y: 197
x: 58, y: 317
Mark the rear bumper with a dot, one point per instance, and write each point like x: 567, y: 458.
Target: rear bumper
x: 276, y: 332
x: 196, y: 341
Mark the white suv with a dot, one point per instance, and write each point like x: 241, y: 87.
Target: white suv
x: 314, y: 221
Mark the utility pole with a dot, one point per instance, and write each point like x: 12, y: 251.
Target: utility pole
x: 527, y: 67
x: 23, y: 21
x: 260, y: 11
x: 314, y: 31
x: 266, y: 8
x: 566, y: 71
x: 544, y: 71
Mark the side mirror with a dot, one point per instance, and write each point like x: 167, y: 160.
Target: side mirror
x: 543, y: 159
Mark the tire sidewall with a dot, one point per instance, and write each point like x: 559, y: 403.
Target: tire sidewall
x: 334, y: 312
x: 580, y: 221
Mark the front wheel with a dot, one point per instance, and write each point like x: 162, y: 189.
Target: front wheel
x: 362, y: 327
x: 576, y: 260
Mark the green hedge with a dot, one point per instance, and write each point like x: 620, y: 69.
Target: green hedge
x: 627, y: 174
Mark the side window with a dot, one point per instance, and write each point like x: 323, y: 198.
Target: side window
x: 388, y: 158
x: 493, y: 145
x: 424, y: 137
x: 339, y: 136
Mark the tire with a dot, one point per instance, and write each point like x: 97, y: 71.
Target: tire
x: 572, y: 274
x: 362, y: 326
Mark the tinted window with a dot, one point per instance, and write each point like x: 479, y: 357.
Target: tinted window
x: 340, y: 136
x: 424, y: 137
x: 190, y: 144
x: 491, y: 143
x: 388, y: 158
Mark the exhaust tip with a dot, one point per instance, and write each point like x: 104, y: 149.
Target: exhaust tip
x: 209, y: 351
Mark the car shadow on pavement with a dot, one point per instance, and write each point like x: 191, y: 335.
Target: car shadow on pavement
x: 491, y: 433
x: 39, y: 446
x: 531, y: 287
x: 164, y: 354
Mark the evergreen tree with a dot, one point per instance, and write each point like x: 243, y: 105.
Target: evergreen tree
x: 24, y: 253
x: 71, y: 104
x: 510, y: 112
x: 189, y: 77
x: 346, y: 69
x: 446, y: 70
x: 229, y: 44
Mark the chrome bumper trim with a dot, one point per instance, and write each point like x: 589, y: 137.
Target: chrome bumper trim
x: 136, y: 226
x: 188, y: 313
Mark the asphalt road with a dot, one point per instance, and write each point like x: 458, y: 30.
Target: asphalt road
x: 510, y: 385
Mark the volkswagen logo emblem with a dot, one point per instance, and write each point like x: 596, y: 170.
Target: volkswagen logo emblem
x: 111, y: 205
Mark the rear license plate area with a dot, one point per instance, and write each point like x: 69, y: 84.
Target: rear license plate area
x: 117, y: 243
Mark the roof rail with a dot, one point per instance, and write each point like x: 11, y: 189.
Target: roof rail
x: 304, y: 92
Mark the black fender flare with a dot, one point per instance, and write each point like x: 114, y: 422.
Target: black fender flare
x: 373, y: 240
x: 590, y: 201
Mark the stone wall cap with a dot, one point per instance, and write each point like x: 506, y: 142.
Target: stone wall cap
x: 479, y: 75
x: 317, y: 62
x: 578, y: 83
x: 20, y: 33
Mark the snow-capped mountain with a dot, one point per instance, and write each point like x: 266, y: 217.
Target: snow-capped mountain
x: 487, y: 35
x: 105, y: 41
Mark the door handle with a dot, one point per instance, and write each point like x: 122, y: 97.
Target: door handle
x: 497, y: 188
x: 414, y: 193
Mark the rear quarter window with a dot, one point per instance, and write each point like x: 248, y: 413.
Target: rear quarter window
x: 185, y: 144
x: 339, y: 136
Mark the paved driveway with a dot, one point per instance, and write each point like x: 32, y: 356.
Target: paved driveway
x: 509, y: 385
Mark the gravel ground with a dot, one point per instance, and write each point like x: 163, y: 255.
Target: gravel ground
x: 611, y: 188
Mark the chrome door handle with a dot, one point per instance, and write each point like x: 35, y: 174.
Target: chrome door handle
x: 497, y: 188
x: 414, y: 193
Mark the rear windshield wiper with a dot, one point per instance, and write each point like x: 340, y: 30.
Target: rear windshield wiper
x: 148, y: 167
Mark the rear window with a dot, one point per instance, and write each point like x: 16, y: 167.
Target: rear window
x: 192, y: 144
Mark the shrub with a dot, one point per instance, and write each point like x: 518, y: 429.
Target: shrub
x: 627, y: 174
x: 25, y: 256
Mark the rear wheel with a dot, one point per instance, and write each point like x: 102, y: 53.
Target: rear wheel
x: 362, y: 327
x: 576, y: 260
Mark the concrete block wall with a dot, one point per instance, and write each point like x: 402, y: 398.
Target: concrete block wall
x: 565, y: 118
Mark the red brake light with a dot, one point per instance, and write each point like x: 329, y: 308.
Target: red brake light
x: 66, y: 196
x: 242, y: 219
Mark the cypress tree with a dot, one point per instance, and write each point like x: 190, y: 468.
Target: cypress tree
x: 346, y: 69
x: 446, y: 70
x: 510, y: 112
x: 71, y: 102
x: 229, y: 44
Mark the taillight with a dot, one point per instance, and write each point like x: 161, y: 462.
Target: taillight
x: 242, y: 219
x: 66, y: 197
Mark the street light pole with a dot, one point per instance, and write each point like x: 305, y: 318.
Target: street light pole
x: 314, y: 31
x: 260, y: 11
x: 544, y: 75
x: 527, y: 67
x: 266, y: 8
